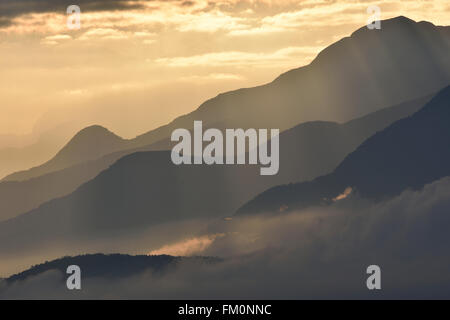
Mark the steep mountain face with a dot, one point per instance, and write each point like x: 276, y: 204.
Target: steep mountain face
x: 307, y: 151
x: 357, y: 75
x: 88, y: 144
x: 408, y: 154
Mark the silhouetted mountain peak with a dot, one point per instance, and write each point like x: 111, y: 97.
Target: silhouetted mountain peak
x: 400, y: 19
x: 398, y: 60
x: 397, y: 31
x: 90, y: 143
x: 95, y: 133
x: 394, y: 26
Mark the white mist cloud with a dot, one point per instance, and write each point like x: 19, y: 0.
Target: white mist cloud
x: 187, y: 247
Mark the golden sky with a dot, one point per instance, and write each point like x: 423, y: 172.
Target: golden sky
x: 135, y: 65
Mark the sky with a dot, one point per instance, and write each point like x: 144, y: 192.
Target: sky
x: 137, y: 64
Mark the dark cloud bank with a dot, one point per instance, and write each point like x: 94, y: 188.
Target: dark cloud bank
x: 10, y: 9
x: 315, y: 253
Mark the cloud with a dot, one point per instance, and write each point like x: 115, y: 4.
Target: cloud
x: 58, y: 37
x: 187, y: 247
x: 232, y: 58
x: 103, y: 33
x: 14, y: 8
x: 55, y: 39
x: 344, y: 194
x: 318, y: 253
x: 238, y: 18
x: 255, y: 40
x: 209, y: 22
x: 212, y: 76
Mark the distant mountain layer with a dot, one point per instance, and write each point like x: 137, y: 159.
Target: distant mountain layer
x: 307, y: 151
x: 409, y: 154
x: 355, y: 76
x: 109, y: 266
x: 33, y: 149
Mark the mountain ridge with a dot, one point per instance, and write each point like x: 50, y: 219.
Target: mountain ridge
x: 408, y: 154
x: 89, y: 143
x: 334, y: 142
x: 109, y: 265
x: 378, y: 64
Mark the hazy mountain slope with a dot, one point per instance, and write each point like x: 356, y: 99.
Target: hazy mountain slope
x: 308, y: 150
x: 32, y: 149
x: 408, y: 154
x: 13, y: 159
x: 17, y: 197
x: 355, y: 76
x: 88, y: 144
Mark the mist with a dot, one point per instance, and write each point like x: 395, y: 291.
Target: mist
x: 314, y: 253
